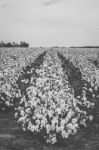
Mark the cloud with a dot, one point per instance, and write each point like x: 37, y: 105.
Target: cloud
x: 50, y: 22
x: 51, y: 2
x: 5, y: 4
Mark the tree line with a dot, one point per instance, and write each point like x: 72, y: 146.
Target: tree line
x: 84, y: 46
x: 14, y: 44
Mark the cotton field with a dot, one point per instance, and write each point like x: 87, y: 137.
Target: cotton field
x: 52, y: 92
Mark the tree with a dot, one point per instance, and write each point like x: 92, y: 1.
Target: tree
x: 9, y: 44
x: 24, y: 44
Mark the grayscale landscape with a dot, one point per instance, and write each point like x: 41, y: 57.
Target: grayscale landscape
x: 49, y: 75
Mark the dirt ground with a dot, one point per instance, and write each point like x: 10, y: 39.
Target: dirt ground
x: 13, y: 138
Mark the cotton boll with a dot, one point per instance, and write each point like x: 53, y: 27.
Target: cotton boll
x: 28, y: 110
x: 16, y: 114
x: 32, y: 128
x: 83, y: 122
x: 58, y: 110
x: 50, y: 114
x: 96, y: 88
x: 91, y: 118
x: 64, y: 134
x: 43, y: 122
x: 90, y: 89
x: 22, y: 112
x: 54, y: 140
x: 34, y: 92
x: 7, y: 103
x: 22, y: 119
x: 58, y: 129
x: 48, y: 128
x: 63, y: 122
x: 53, y: 125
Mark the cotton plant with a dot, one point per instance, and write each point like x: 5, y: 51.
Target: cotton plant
x: 48, y: 106
x: 8, y: 76
x: 88, y: 71
x: 13, y: 60
x: 81, y: 59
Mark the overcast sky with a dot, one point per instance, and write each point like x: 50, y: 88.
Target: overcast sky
x: 50, y: 22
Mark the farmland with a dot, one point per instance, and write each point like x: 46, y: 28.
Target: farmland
x: 75, y: 67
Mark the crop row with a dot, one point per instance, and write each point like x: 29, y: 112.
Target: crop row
x: 13, y: 60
